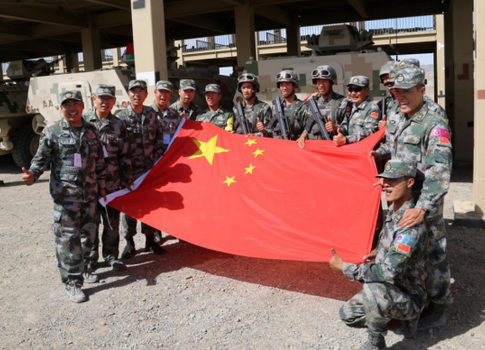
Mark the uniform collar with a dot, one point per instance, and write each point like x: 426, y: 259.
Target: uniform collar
x: 363, y: 104
x: 396, y: 217
x: 93, y: 117
x: 66, y: 125
x: 418, y: 117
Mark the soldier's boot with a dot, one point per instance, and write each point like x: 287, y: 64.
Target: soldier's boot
x: 432, y: 317
x: 409, y: 328
x: 75, y: 293
x: 152, y: 247
x: 374, y: 342
x: 89, y: 277
x: 116, y: 264
x: 130, y: 250
x: 157, y: 237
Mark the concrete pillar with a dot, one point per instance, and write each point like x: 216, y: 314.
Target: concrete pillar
x: 180, y: 52
x: 479, y: 97
x: 211, y: 42
x: 459, y: 84
x: 439, y: 66
x: 116, y: 56
x: 72, y: 62
x: 149, y: 42
x: 91, y: 41
x: 62, y: 65
x: 293, y: 44
x: 246, y: 44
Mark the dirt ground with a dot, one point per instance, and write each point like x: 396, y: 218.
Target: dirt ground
x: 193, y: 298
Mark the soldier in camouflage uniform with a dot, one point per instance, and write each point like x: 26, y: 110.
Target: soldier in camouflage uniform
x: 364, y: 117
x: 294, y: 109
x: 168, y: 117
x: 257, y: 114
x: 146, y: 135
x: 389, y: 102
x: 184, y: 105
x: 394, y: 283
x: 116, y: 150
x: 215, y: 114
x: 72, y: 149
x: 422, y: 135
x: 330, y: 104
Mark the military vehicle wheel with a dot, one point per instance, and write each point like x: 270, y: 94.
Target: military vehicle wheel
x: 25, y: 145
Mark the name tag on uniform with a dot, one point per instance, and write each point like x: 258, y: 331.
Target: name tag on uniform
x: 166, y: 139
x: 77, y: 160
x: 105, y: 152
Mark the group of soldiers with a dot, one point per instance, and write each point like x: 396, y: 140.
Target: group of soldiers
x: 406, y: 277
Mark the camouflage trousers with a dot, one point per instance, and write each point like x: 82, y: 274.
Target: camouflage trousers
x: 128, y: 227
x: 376, y: 305
x: 438, y: 280
x: 74, y: 226
x: 110, y: 236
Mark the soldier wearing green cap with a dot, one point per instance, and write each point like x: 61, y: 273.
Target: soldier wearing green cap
x: 116, y: 151
x: 256, y: 113
x: 214, y: 113
x: 394, y: 274
x: 364, y: 117
x: 72, y: 149
x: 330, y: 104
x: 146, y: 135
x: 168, y: 117
x: 388, y: 104
x: 423, y: 136
x: 185, y: 105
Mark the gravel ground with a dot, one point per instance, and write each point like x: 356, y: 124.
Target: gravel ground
x: 193, y: 298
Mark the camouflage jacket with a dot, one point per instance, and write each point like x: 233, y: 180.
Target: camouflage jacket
x: 295, y: 113
x: 436, y: 108
x: 401, y: 257
x: 191, y: 113
x: 390, y: 103
x: 169, y: 120
x: 145, y: 133
x: 362, y: 122
x: 58, y: 145
x: 257, y: 110
x: 335, y: 108
x: 221, y: 118
x: 424, y: 138
x: 116, y: 150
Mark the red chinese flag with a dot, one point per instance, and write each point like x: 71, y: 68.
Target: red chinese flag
x: 261, y: 197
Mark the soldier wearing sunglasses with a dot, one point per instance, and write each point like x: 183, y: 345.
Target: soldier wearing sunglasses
x: 364, y: 117
x: 330, y: 104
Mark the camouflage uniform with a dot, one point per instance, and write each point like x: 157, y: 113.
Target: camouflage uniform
x: 73, y: 189
x: 193, y: 111
x: 335, y: 108
x: 363, y: 121
x: 295, y: 112
x: 425, y: 139
x: 116, y: 148
x: 145, y: 133
x: 169, y: 119
x: 221, y: 118
x: 257, y: 110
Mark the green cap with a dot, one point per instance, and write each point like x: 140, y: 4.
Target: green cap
x: 187, y: 84
x: 137, y: 83
x: 359, y: 80
x: 396, y: 168
x: 105, y: 90
x: 71, y: 95
x: 212, y: 88
x: 408, y: 63
x: 164, y: 85
x: 408, y: 77
x: 387, y: 67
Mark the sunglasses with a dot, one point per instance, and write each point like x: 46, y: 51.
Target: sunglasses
x: 245, y: 77
x: 320, y: 73
x: 284, y: 76
x: 355, y: 89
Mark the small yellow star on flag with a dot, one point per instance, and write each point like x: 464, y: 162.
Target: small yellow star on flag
x: 229, y: 180
x: 207, y: 149
x: 250, y: 142
x: 259, y: 152
x: 250, y: 169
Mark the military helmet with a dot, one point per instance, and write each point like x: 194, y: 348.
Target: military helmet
x: 247, y: 78
x: 386, y: 68
x: 324, y: 72
x: 287, y: 76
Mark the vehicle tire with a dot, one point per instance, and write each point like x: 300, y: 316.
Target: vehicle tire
x: 25, y: 144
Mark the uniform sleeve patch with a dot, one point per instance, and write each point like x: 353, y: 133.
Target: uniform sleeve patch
x: 441, y: 133
x: 374, y: 115
x: 444, y: 141
x: 404, y: 244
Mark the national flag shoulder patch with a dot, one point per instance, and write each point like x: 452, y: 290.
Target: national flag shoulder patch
x: 444, y: 141
x: 374, y: 115
x: 404, y: 244
x: 437, y: 132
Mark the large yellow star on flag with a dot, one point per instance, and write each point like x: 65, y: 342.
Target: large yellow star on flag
x: 207, y: 149
x: 259, y: 152
x: 250, y: 142
x: 229, y: 180
x: 250, y: 169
